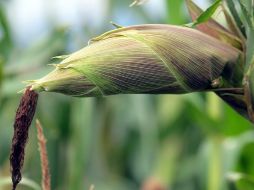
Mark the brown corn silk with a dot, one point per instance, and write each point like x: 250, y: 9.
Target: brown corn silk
x: 45, y: 182
x: 23, y: 119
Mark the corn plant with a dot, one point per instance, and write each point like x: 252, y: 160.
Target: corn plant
x: 201, y: 56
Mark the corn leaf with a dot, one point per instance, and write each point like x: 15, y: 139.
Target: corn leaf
x: 236, y: 17
x: 247, y: 15
x: 231, y: 23
x: 250, y: 36
x: 249, y: 66
x: 250, y: 50
x: 206, y: 15
x: 213, y: 28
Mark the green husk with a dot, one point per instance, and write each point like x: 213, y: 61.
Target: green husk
x: 152, y: 59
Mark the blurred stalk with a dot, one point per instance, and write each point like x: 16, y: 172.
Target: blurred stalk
x: 6, y: 42
x: 1, y: 72
x: 81, y: 122
x: 215, y: 162
x: 252, y: 8
x: 166, y: 165
x: 214, y: 107
x: 173, y: 10
x: 215, y: 165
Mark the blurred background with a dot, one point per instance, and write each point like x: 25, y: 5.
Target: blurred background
x: 125, y: 142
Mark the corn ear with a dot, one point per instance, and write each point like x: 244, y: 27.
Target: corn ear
x: 153, y: 59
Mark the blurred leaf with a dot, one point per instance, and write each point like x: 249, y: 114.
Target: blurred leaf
x: 31, y: 60
x: 11, y: 86
x: 233, y: 150
x: 165, y: 114
x: 54, y: 110
x: 24, y: 182
x: 250, y: 51
x: 1, y: 72
x: 6, y: 40
x: 82, y: 116
x: 227, y: 121
x: 233, y: 123
x: 137, y: 2
x: 173, y: 9
x: 252, y: 9
x: 246, y: 159
x: 241, y: 181
x: 166, y: 160
x: 247, y: 15
x: 38, y: 54
x: 236, y: 16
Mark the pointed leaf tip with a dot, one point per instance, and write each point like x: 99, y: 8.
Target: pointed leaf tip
x: 209, y: 26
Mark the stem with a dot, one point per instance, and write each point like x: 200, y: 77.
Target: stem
x: 215, y: 162
x: 213, y: 107
x: 252, y: 9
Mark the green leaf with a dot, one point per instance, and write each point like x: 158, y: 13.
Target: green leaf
x: 206, y: 15
x: 249, y: 87
x: 215, y: 29
x: 1, y: 71
x: 173, y: 9
x: 236, y: 17
x: 250, y: 51
x: 247, y: 15
x: 252, y: 10
x: 25, y: 182
x: 240, y: 181
x: 6, y: 41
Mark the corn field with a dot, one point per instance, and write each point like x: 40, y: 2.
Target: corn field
x: 160, y: 99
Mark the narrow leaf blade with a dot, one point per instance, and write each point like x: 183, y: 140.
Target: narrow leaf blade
x: 213, y: 28
x: 207, y: 14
